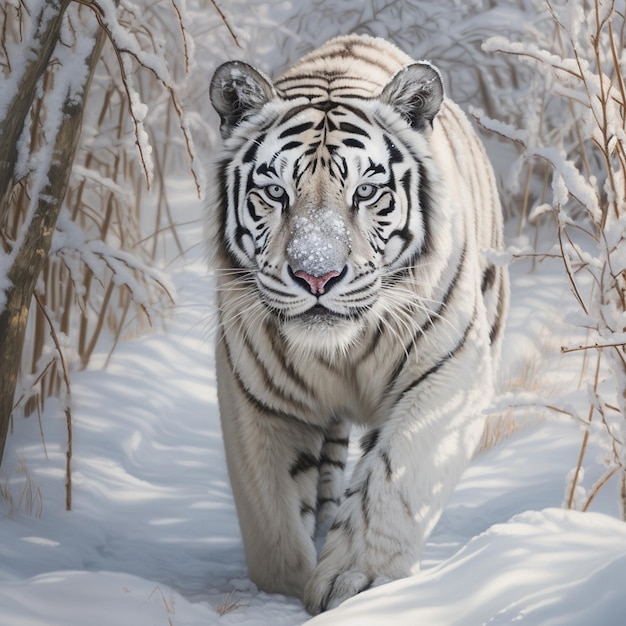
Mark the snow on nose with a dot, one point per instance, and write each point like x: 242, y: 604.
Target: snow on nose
x: 318, y: 246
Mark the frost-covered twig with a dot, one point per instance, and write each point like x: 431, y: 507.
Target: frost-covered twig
x: 125, y: 47
x: 589, y: 173
x: 226, y: 22
x: 105, y: 192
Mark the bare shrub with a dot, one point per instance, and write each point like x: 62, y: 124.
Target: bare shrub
x: 72, y: 232
x: 578, y: 129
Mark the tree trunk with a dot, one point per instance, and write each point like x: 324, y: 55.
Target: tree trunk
x: 47, y: 26
x: 29, y: 259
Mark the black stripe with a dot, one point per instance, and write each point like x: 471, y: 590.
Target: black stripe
x: 355, y: 110
x: 394, y: 155
x: 378, y: 335
x: 306, y: 509
x: 424, y: 193
x: 295, y: 130
x: 362, y: 290
x: 288, y: 369
x: 258, y: 404
x: 498, y: 322
x: 304, y: 462
x: 275, y: 291
x: 326, y: 106
x: 437, y: 366
x: 376, y: 168
x: 352, y: 129
x: 326, y: 460
x: 430, y: 322
x: 489, y: 277
x: 291, y: 145
x: 252, y: 211
x: 296, y: 79
x: 329, y: 364
x: 365, y: 500
x: 351, y: 142
x: 268, y: 380
x: 348, y: 493
x: 405, y: 232
x: 328, y: 595
x: 250, y: 153
x: 267, y: 168
x: 384, y: 456
x: 236, y: 185
x: 369, y: 441
x: 223, y: 204
x: 339, y: 442
x: 293, y: 112
x: 315, y: 83
x: 240, y: 233
x: 385, y: 211
x: 324, y: 501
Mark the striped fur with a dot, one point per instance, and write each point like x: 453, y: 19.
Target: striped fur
x: 351, y: 205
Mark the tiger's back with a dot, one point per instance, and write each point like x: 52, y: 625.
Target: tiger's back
x: 352, y: 206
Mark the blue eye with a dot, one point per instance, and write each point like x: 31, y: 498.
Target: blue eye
x: 365, y: 192
x: 275, y: 192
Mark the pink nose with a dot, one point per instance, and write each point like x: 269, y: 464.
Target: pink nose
x: 316, y: 283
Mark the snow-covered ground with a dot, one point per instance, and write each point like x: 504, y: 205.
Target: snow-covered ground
x: 153, y: 536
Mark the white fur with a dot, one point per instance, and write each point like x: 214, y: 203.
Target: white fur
x: 415, y: 371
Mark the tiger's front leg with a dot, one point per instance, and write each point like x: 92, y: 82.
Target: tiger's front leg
x: 409, y: 465
x: 273, y: 469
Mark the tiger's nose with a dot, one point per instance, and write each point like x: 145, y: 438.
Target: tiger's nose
x: 317, y: 284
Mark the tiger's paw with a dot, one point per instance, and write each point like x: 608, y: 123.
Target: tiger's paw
x: 325, y: 591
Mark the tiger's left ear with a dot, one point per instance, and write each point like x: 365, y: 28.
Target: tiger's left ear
x: 237, y: 90
x: 416, y: 92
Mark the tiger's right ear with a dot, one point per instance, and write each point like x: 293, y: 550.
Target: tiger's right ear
x: 416, y: 92
x: 237, y: 89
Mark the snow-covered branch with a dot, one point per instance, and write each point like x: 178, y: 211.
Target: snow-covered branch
x: 585, y: 148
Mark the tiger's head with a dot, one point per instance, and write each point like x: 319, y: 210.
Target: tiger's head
x: 326, y: 201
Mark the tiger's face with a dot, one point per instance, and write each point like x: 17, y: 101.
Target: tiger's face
x: 326, y: 204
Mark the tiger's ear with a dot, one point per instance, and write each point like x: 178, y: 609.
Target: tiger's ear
x: 237, y: 89
x: 416, y: 92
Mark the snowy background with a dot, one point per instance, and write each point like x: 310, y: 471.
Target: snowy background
x: 152, y: 538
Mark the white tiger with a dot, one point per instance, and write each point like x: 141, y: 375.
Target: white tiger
x: 351, y: 204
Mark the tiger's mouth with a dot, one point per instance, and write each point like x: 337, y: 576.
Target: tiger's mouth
x: 319, y: 314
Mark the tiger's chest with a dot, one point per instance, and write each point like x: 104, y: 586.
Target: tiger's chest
x: 360, y: 384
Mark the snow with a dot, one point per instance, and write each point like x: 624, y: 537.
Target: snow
x: 530, y: 570
x: 319, y: 242
x: 153, y: 535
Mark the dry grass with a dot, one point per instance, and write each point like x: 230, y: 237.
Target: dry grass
x: 528, y: 376
x: 228, y: 604
x: 168, y: 603
x: 28, y: 501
